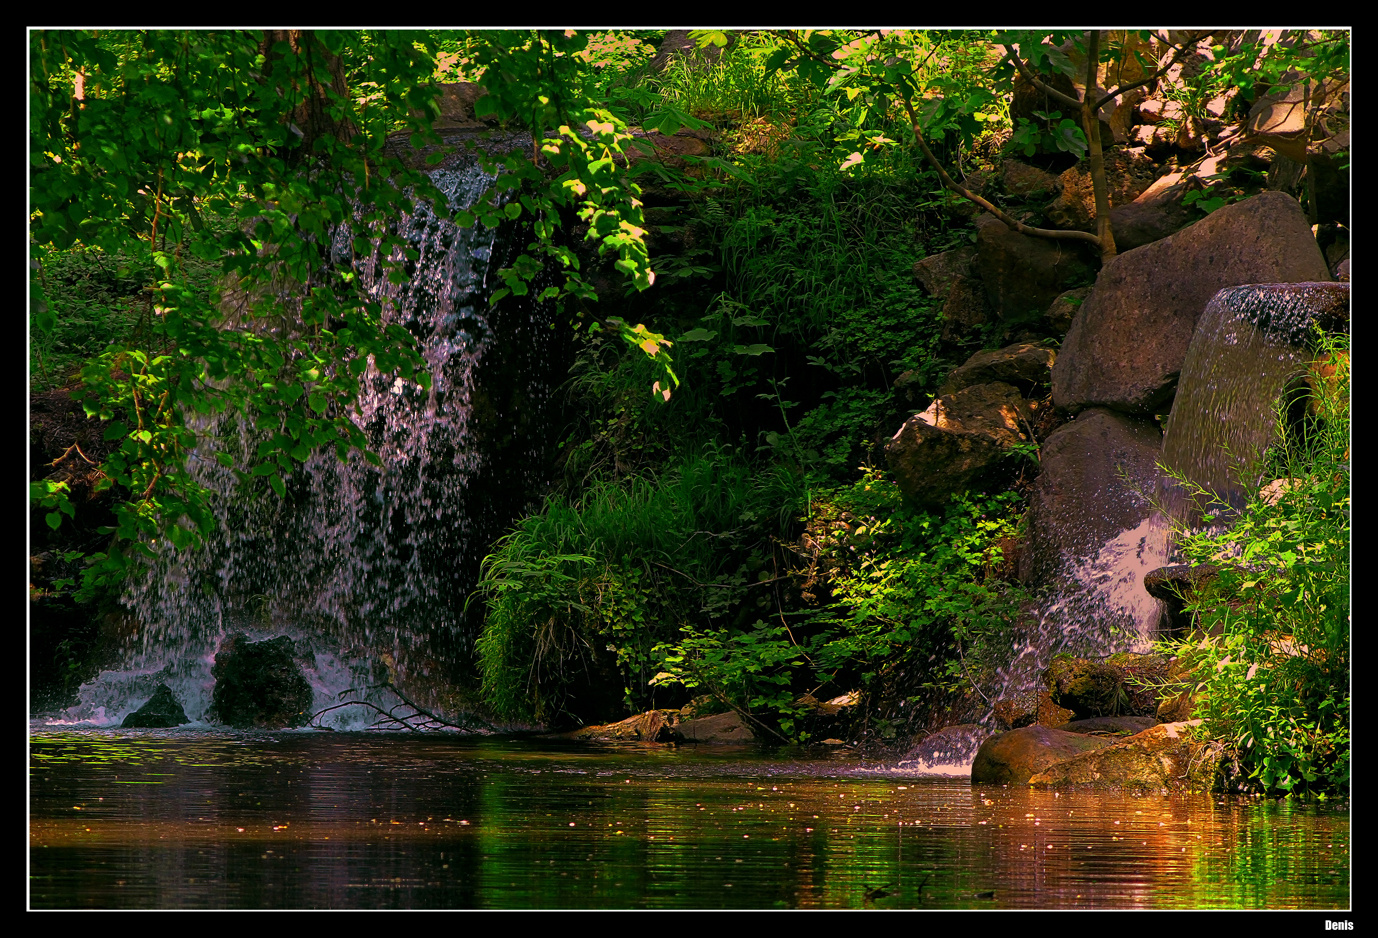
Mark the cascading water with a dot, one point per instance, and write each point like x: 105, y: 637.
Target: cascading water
x: 1250, y: 343
x: 366, y: 568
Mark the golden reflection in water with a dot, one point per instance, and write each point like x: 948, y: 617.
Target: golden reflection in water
x: 371, y: 821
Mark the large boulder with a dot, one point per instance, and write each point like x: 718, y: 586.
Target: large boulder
x: 938, y: 272
x: 720, y: 728
x: 1161, y: 758
x: 1021, y: 274
x: 1099, y: 473
x: 956, y: 442
x: 259, y: 684
x: 1127, y: 344
x: 1013, y: 758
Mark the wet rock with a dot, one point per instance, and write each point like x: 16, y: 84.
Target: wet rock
x: 653, y: 726
x: 259, y: 684
x: 1022, y: 274
x: 1128, y: 342
x: 1162, y: 758
x: 958, y: 440
x: 719, y: 728
x: 1013, y: 758
x: 1033, y: 706
x: 1025, y: 365
x: 952, y: 747
x: 1098, y: 473
x: 1121, y: 685
x: 1175, y: 585
x: 161, y: 710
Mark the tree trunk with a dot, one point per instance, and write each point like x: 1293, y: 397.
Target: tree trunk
x: 1090, y: 122
x: 311, y: 117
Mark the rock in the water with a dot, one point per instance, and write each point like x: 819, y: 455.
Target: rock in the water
x: 653, y: 726
x: 956, y: 441
x: 1013, y: 758
x: 949, y: 751
x: 1129, y: 340
x: 259, y: 684
x: 1092, y: 688
x: 1026, y: 365
x: 161, y: 710
x: 719, y: 728
x: 1161, y: 758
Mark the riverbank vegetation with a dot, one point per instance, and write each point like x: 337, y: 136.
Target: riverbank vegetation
x: 720, y: 526
x: 1270, y: 665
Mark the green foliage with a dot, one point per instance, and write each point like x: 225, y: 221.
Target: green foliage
x: 1272, y: 674
x: 142, y: 143
x: 1057, y: 133
x: 590, y: 587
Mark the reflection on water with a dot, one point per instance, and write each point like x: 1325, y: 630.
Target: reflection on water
x: 169, y: 819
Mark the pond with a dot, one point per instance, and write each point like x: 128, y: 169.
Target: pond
x: 192, y: 819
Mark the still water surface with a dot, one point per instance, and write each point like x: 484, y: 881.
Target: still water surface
x: 189, y: 819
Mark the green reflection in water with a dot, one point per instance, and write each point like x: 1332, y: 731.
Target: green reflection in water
x: 371, y: 821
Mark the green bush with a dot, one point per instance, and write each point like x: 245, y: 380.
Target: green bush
x: 1272, y: 671
x: 578, y: 595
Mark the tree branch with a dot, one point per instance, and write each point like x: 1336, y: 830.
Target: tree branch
x: 973, y: 197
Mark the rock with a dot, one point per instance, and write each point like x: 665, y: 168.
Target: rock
x: 653, y: 726
x: 965, y: 308
x: 259, y: 684
x: 1162, y: 758
x: 1025, y: 365
x: 1026, y: 182
x: 951, y: 747
x: 1110, y: 726
x: 1342, y: 271
x: 1175, y: 586
x: 939, y: 272
x: 669, y: 150
x: 1127, y: 174
x: 1278, y: 119
x: 1034, y: 706
x: 955, y: 442
x: 1098, y: 472
x: 719, y: 728
x: 1091, y: 688
x: 1155, y: 139
x: 1023, y: 274
x: 1331, y: 184
x: 1155, y: 214
x: 1013, y: 758
x: 161, y: 710
x: 1128, y: 342
x: 1063, y: 310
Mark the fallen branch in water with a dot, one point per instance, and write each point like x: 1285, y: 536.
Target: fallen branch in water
x: 420, y: 719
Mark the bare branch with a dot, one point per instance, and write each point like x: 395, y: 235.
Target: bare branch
x: 1192, y: 41
x: 1038, y: 83
x: 970, y: 196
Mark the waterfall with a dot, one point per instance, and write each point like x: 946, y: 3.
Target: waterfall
x: 366, y: 568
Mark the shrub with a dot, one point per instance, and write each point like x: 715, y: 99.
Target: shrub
x: 1273, y: 669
